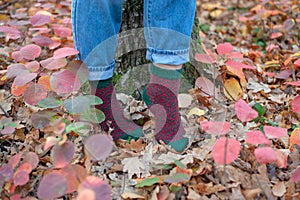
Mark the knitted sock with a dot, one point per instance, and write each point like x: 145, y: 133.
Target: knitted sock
x: 114, y: 118
x: 161, y: 97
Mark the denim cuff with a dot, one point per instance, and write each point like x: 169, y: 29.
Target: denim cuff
x: 169, y: 57
x: 100, y: 72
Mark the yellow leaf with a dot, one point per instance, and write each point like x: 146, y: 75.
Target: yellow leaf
x: 296, y: 54
x: 195, y: 111
x: 232, y: 89
x: 3, y: 78
x: 216, y: 13
x: 239, y: 73
x: 210, y: 6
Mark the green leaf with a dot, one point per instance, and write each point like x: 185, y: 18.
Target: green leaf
x: 179, y: 164
x: 12, y: 124
x: 1, y: 126
x: 81, y: 128
x: 50, y: 102
x: 93, y: 115
x: 81, y: 104
x: 175, y: 188
x: 148, y: 182
x: 175, y: 178
x: 260, y: 109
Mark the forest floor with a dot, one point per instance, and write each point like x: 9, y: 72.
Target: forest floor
x: 241, y: 115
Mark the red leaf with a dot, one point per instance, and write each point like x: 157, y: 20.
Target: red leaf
x: 52, y: 185
x: 99, y: 146
x: 32, y: 159
x: 230, y: 148
x: 54, y: 63
x: 62, y: 155
x: 34, y: 93
x: 205, y: 58
x: 275, y: 132
x: 219, y: 128
x: 64, y: 52
x: 235, y: 64
x: 39, y: 20
x: 295, y: 83
x: 96, y: 188
x: 265, y: 155
x: 32, y: 66
x: 244, y: 112
x: 23, y: 79
x: 62, y: 31
x: 235, y: 55
x: 21, y: 178
x: 64, y: 82
x: 257, y: 137
x: 224, y: 48
x: 12, y: 32
x: 74, y: 174
x: 42, y: 40
x: 31, y: 51
x: 296, y: 104
x: 296, y: 175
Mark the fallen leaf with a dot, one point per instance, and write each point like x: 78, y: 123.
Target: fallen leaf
x: 184, y: 100
x: 256, y: 137
x: 265, y: 155
x: 137, y: 168
x: 296, y: 104
x: 226, y: 150
x: 275, y: 132
x: 244, y: 112
x: 224, y: 48
x: 296, y: 175
x: 195, y: 111
x: 279, y: 189
x: 215, y: 127
x: 232, y: 89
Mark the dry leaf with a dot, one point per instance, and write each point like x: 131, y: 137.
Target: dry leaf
x: 232, y: 89
x: 279, y: 189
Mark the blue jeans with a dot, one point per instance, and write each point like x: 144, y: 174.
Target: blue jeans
x: 96, y: 24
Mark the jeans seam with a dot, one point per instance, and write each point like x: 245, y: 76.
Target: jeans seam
x: 168, y: 52
x: 149, y: 21
x: 74, y: 14
x: 102, y: 69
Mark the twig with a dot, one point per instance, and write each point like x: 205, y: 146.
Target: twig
x: 2, y: 109
x: 8, y: 4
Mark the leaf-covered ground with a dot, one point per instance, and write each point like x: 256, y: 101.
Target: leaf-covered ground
x: 243, y: 111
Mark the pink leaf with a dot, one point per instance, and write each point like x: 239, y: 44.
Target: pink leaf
x: 52, y: 185
x: 94, y: 187
x: 230, y: 148
x: 219, y: 128
x: 276, y: 35
x: 32, y: 159
x: 235, y: 55
x: 74, y: 175
x: 296, y: 83
x: 14, y: 70
x: 8, y: 130
x: 50, y: 141
x: 39, y: 20
x: 205, y: 58
x: 235, y: 64
x: 17, y: 56
x: 284, y: 74
x: 21, y: 178
x: 23, y: 79
x: 99, y: 146
x: 64, y: 52
x: 257, y: 137
x: 64, y: 82
x: 296, y: 104
x: 25, y: 167
x: 296, y: 175
x: 14, y: 161
x: 31, y: 51
x: 224, y: 48
x: 62, y: 31
x: 62, y: 155
x: 42, y: 40
x: 34, y: 93
x: 244, y: 112
x: 7, y: 172
x: 205, y: 85
x: 275, y: 132
x: 12, y: 32
x: 54, y: 63
x: 265, y: 155
x: 297, y: 62
x: 32, y: 66
x: 271, y: 47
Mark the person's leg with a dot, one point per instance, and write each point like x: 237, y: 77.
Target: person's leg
x: 168, y: 27
x: 96, y: 25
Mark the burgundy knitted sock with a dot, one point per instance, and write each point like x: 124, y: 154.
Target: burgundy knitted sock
x: 114, y: 118
x: 161, y: 97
